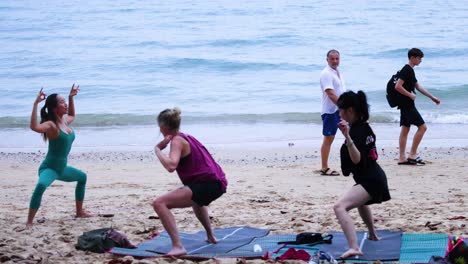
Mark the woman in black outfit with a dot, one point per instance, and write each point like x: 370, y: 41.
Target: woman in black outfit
x: 359, y: 157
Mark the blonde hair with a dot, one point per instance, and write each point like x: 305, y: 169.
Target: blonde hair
x: 170, y: 118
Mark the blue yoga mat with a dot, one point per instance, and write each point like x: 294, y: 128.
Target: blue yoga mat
x: 386, y: 249
x: 410, y: 248
x: 270, y: 244
x: 228, y: 240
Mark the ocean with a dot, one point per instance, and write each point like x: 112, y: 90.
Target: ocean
x: 241, y: 71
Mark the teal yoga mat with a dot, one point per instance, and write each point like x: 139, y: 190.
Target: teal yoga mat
x: 419, y: 248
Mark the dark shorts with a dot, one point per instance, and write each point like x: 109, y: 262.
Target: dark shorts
x: 376, y: 186
x: 410, y: 116
x: 204, y: 193
x: 330, y: 123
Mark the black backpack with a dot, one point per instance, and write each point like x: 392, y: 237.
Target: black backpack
x: 101, y: 240
x: 393, y: 96
x: 310, y: 238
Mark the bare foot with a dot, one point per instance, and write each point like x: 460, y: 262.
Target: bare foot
x: 351, y: 253
x: 176, y: 251
x: 211, y: 240
x: 83, y: 214
x: 22, y: 228
x: 373, y: 237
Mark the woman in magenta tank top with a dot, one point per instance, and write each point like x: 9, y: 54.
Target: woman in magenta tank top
x: 204, y: 180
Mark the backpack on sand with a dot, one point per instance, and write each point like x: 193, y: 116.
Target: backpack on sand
x: 101, y: 240
x: 393, y: 96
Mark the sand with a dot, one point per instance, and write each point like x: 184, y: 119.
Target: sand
x: 276, y: 188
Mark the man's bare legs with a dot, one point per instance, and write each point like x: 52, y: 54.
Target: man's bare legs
x: 325, y: 150
x: 402, y: 143
x: 180, y: 198
x: 418, y: 136
x: 202, y: 214
x: 354, y: 198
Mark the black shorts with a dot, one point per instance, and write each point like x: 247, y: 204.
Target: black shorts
x: 410, y: 116
x: 204, y: 193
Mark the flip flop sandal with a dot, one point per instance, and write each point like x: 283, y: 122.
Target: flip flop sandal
x: 417, y: 161
x: 420, y: 161
x: 106, y: 215
x: 408, y: 162
x: 329, y: 172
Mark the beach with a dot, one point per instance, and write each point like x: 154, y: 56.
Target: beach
x: 246, y: 76
x: 275, y: 187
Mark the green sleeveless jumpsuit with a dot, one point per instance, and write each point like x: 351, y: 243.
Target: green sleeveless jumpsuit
x: 54, y: 167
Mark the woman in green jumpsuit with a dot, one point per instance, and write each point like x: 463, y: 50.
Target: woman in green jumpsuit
x: 56, y: 117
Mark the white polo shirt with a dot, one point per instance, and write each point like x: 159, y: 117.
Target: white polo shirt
x: 329, y: 79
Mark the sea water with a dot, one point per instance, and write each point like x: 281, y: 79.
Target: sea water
x: 241, y: 71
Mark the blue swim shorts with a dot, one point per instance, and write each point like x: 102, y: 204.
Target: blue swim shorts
x: 330, y: 123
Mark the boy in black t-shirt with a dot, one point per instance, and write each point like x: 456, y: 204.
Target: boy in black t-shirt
x: 409, y: 115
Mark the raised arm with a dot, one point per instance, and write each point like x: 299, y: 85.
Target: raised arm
x: 353, y: 151
x: 426, y: 93
x: 71, y: 104
x: 34, y: 125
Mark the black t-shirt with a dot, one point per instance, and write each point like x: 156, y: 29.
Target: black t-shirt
x: 364, y: 139
x: 367, y: 172
x: 409, y: 77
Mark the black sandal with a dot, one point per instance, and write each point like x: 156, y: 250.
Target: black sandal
x: 417, y: 161
x: 329, y: 172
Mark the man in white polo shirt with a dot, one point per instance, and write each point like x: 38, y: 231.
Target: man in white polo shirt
x: 332, y: 84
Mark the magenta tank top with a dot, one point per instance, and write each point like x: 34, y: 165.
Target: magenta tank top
x: 199, y: 166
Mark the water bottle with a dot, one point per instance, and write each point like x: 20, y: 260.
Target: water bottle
x: 257, y: 248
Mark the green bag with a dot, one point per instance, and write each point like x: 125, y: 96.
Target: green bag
x: 97, y: 241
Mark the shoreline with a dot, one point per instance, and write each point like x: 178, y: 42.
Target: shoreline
x: 229, y: 136
x: 226, y: 154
